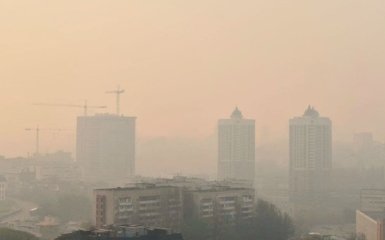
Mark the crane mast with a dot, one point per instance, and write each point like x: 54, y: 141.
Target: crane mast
x: 37, y: 138
x: 117, y: 92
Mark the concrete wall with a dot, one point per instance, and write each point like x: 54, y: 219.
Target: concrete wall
x: 367, y: 227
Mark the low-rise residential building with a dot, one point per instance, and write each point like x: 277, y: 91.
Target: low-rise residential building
x: 171, y: 202
x: 215, y: 202
x: 220, y: 205
x: 145, y: 204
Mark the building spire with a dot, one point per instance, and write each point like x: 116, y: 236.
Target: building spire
x: 237, y: 114
x: 311, y: 112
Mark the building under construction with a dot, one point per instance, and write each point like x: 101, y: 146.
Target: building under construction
x: 105, y: 147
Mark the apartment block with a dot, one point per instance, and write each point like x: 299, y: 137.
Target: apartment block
x: 220, y: 205
x: 145, y: 204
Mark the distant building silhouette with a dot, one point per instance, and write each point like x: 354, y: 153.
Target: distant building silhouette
x: 363, y: 141
x: 370, y: 225
x: 59, y: 166
x: 106, y: 147
x: 372, y: 200
x: 310, y: 157
x: 3, y: 187
x: 236, y: 147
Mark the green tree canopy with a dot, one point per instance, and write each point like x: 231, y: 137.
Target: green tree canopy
x: 195, y: 229
x: 271, y: 223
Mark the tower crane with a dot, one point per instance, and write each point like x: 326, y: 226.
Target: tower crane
x: 85, y: 106
x: 37, y: 136
x: 117, y: 92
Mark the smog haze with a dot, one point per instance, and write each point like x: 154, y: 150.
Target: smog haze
x: 185, y: 64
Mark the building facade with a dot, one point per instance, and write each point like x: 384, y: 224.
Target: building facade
x: 236, y: 148
x: 372, y: 200
x: 105, y: 147
x: 310, y: 157
x: 146, y: 205
x: 220, y: 206
x: 370, y: 225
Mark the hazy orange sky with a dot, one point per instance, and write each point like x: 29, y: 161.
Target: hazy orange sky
x: 184, y: 64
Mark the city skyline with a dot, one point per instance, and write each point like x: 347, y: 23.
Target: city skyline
x: 264, y: 134
x: 196, y: 71
x: 193, y: 120
x: 205, y: 148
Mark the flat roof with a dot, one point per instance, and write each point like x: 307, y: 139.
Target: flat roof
x: 374, y: 214
x: 133, y: 188
x: 220, y: 189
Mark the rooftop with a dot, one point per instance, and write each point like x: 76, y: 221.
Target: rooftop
x: 237, y: 114
x: 140, y: 186
x: 375, y: 215
x: 311, y: 112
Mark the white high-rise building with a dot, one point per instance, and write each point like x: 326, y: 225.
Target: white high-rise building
x: 106, y: 147
x: 310, y: 156
x: 236, y: 148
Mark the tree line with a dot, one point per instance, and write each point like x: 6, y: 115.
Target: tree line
x: 269, y: 223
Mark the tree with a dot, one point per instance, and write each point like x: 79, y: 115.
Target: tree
x: 271, y: 223
x: 195, y: 229
x: 9, y: 234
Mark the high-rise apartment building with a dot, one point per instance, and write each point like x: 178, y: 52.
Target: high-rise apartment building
x: 106, y: 147
x: 310, y: 156
x: 236, y: 147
